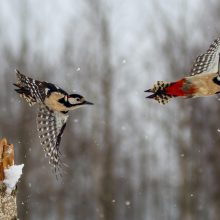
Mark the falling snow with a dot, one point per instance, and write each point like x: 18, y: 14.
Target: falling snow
x: 127, y: 203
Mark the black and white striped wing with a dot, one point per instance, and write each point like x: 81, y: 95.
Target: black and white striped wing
x: 207, y: 62
x: 29, y: 88
x: 50, y: 126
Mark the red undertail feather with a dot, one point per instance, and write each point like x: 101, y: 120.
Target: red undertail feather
x: 163, y: 91
x: 176, y: 88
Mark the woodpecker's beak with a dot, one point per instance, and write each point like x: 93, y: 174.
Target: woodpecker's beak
x: 88, y: 103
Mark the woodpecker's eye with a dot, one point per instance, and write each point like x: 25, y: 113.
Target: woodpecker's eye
x: 75, y: 99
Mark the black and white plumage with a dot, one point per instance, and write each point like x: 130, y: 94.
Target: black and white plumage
x: 203, y: 80
x: 207, y: 62
x: 50, y: 126
x: 54, y: 104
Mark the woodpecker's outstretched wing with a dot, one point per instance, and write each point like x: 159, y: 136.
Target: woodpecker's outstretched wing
x: 50, y: 126
x: 207, y: 62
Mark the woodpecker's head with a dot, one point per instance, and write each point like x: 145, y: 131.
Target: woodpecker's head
x: 74, y: 101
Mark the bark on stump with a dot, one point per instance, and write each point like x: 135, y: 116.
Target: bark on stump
x: 8, y: 205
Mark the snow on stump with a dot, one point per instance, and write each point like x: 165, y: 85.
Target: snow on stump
x: 9, y: 176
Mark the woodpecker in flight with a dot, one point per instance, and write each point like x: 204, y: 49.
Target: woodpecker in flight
x: 204, y: 79
x: 54, y: 104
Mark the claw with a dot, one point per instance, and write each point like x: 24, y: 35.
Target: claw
x: 150, y: 96
x: 148, y: 90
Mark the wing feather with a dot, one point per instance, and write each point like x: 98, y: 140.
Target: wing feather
x: 50, y: 127
x: 207, y: 62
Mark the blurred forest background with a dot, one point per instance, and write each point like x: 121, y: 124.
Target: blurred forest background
x: 129, y: 158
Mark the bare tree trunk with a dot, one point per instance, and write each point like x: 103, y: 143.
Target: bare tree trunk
x: 21, y: 63
x: 107, y: 191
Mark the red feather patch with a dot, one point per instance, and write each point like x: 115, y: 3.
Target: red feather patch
x: 176, y: 89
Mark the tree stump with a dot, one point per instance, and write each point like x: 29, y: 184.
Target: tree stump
x: 8, y: 205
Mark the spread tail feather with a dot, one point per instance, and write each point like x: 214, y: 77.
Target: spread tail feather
x: 159, y: 92
x: 25, y: 87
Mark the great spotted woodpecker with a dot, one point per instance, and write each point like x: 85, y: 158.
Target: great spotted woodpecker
x: 204, y: 79
x: 54, y: 104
